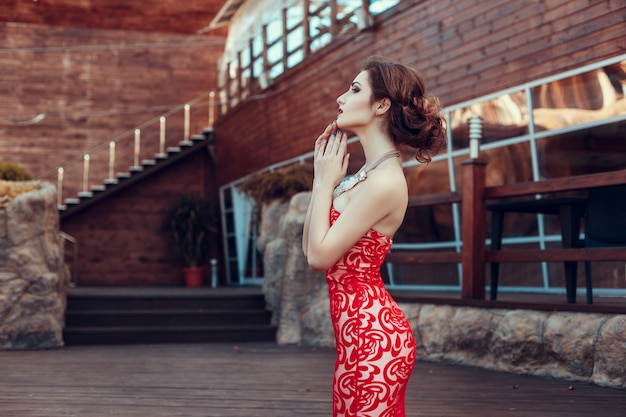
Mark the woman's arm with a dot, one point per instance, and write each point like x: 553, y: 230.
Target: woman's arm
x: 370, y: 206
x: 330, y: 162
x: 320, y: 145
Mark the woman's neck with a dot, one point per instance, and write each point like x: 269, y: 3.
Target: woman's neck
x: 375, y: 144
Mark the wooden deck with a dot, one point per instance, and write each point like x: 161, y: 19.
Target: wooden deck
x: 261, y: 380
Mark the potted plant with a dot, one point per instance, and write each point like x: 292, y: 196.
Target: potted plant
x: 190, y: 222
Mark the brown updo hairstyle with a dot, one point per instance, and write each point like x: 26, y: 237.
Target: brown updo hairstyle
x: 414, y: 119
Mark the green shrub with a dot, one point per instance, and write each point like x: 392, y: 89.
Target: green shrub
x: 10, y: 171
x: 281, y: 184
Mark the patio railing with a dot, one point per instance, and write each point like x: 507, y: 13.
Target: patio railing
x: 474, y: 254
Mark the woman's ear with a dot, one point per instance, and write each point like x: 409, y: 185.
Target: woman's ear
x: 383, y: 106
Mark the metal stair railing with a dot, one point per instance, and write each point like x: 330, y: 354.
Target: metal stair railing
x: 101, y: 161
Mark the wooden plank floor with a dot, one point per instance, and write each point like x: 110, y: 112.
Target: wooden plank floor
x: 261, y: 380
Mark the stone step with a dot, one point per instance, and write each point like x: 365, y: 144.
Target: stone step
x: 158, y: 335
x: 135, y: 300
x: 166, y: 315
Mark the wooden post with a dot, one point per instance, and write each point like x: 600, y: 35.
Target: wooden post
x: 334, y: 28
x: 239, y: 77
x: 306, y: 27
x: 473, y: 229
x: 283, y: 39
x: 228, y: 87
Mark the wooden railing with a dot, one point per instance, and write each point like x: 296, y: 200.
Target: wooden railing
x: 474, y: 254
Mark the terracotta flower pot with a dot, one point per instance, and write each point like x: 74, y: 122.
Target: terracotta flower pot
x: 194, y: 276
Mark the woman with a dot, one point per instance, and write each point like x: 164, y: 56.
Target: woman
x: 349, y: 226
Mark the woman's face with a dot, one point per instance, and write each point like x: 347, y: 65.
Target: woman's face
x: 355, y: 105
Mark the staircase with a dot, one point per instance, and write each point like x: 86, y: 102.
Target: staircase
x: 137, y: 173
x: 114, y: 316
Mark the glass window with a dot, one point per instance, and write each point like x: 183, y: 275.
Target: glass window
x: 321, y: 41
x: 347, y: 8
x: 294, y: 39
x: 431, y: 276
x: 505, y: 165
x: 586, y: 151
x: 503, y: 117
x: 579, y: 99
x: 379, y: 6
x: 275, y: 55
x: 427, y: 223
x: 295, y: 58
x: 268, y: 15
x: 274, y: 30
x: 276, y: 70
x: 319, y: 31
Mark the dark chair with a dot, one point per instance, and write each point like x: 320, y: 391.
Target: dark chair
x: 569, y: 210
x: 605, y: 223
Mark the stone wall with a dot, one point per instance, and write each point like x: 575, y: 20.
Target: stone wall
x: 569, y: 346
x: 33, y: 276
x: 297, y: 296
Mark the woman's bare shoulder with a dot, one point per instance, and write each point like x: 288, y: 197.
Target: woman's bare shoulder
x: 387, y: 183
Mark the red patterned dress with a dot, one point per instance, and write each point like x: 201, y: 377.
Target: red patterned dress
x: 374, y: 341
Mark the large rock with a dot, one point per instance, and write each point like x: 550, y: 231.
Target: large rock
x: 272, y: 245
x: 570, y: 339
x: 297, y: 296
x: 610, y: 353
x: 517, y: 343
x: 33, y: 276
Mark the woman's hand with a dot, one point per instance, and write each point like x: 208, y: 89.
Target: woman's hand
x: 330, y: 159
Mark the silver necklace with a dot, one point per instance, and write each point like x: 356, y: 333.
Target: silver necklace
x: 361, y: 175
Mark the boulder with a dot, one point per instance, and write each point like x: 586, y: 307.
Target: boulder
x: 33, y: 277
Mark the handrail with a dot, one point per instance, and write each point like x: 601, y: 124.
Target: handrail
x: 68, y: 238
x: 573, y: 183
x: 121, y: 136
x: 94, y: 156
x: 556, y: 255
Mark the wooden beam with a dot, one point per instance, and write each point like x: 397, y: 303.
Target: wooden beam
x: 557, y: 255
x: 577, y: 182
x: 416, y: 257
x: 434, y: 199
x: 473, y: 229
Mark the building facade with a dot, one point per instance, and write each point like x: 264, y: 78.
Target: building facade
x: 547, y: 79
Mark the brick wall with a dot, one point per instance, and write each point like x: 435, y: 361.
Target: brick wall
x: 92, y: 85
x: 463, y: 49
x: 119, y: 238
